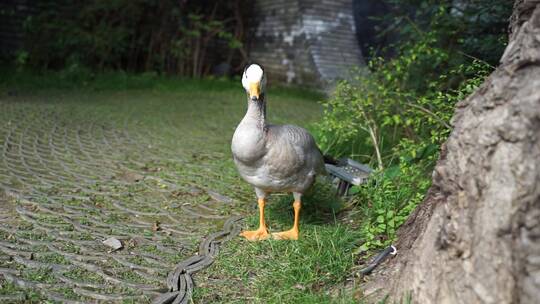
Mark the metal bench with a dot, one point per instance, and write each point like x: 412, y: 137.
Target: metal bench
x: 348, y: 172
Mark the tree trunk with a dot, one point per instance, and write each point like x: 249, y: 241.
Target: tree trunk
x: 476, y: 237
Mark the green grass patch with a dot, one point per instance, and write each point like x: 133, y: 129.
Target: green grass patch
x: 41, y: 275
x: 81, y: 79
x: 71, y: 248
x: 272, y: 271
x: 132, y: 277
x: 284, y: 271
x: 81, y: 274
x: 7, y: 287
x: 53, y: 258
x: 69, y: 293
x: 29, y: 296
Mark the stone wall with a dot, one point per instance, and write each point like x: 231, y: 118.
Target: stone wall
x: 305, y: 42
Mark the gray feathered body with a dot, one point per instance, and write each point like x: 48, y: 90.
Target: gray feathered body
x: 275, y: 158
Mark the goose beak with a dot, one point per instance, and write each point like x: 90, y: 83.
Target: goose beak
x: 254, y: 90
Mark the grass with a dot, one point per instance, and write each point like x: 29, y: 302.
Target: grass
x: 53, y: 258
x: 281, y: 272
x: 194, y: 121
x: 207, y: 110
x: 10, y: 289
x: 32, y: 81
x: 310, y: 270
x: 78, y: 273
x: 42, y: 275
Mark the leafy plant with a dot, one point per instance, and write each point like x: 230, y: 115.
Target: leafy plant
x: 469, y: 29
x: 411, y: 131
x: 21, y: 59
x: 185, y: 38
x: 192, y: 46
x: 395, y: 117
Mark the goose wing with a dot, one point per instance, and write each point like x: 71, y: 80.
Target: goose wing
x: 292, y: 150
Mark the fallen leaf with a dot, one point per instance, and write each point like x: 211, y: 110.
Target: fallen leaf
x: 114, y: 243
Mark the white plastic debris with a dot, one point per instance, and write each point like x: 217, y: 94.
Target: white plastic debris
x: 114, y: 243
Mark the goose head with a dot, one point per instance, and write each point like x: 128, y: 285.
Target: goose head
x: 254, y: 81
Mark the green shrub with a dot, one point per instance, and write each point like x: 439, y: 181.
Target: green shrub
x: 474, y: 29
x: 416, y: 128
x: 395, y: 118
x: 184, y: 38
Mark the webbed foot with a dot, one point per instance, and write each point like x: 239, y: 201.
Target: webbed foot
x: 256, y: 235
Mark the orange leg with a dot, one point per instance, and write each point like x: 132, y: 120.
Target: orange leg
x: 291, y: 234
x: 262, y: 232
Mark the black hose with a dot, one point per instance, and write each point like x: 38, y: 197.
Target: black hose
x: 379, y: 258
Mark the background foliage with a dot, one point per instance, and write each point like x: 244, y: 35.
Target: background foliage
x: 474, y: 28
x: 176, y: 37
x: 396, y: 115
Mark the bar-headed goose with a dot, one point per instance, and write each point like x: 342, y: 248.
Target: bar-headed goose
x: 272, y: 158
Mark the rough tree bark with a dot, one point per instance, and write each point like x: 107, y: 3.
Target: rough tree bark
x: 476, y: 237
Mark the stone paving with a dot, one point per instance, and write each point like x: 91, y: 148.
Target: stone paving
x: 75, y: 173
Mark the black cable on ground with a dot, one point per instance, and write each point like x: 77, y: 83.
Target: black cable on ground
x: 379, y: 258
x: 179, y: 281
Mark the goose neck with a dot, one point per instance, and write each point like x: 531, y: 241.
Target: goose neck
x: 256, y: 112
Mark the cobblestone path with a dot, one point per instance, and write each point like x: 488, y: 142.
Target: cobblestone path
x: 74, y: 173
